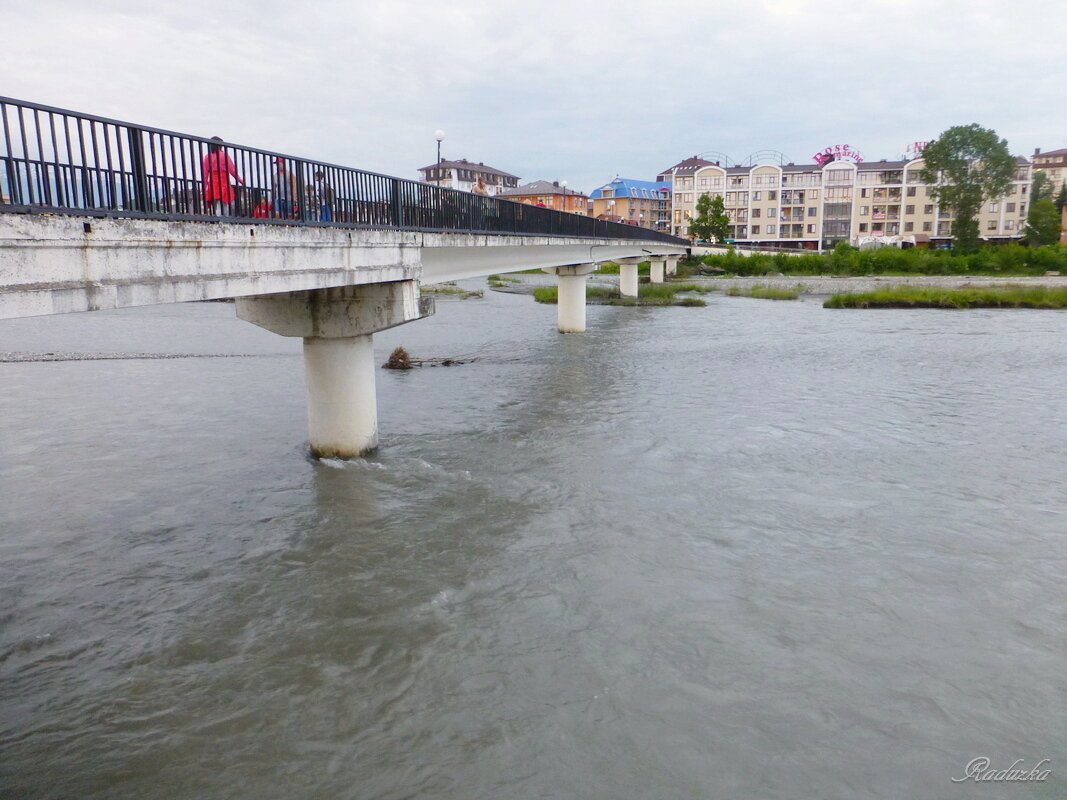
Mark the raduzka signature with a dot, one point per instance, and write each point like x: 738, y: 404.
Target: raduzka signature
x: 978, y: 769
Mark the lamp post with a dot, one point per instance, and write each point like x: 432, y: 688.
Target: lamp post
x: 563, y: 186
x: 439, y: 135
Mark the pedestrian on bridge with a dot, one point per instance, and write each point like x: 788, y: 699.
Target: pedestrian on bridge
x: 218, y: 167
x: 323, y: 196
x: 283, y: 188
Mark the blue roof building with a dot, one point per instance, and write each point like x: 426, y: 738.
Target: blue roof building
x: 643, y: 203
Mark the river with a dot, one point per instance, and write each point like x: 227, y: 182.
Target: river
x: 754, y: 550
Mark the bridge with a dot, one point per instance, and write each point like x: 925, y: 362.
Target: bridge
x: 101, y: 214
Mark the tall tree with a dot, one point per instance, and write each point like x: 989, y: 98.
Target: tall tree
x: 1061, y: 198
x: 1040, y: 188
x: 712, y: 221
x: 964, y: 167
x: 1043, y: 223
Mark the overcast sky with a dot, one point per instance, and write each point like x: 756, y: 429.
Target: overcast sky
x: 550, y: 89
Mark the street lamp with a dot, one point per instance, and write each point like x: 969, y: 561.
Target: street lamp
x: 439, y: 135
x: 563, y: 186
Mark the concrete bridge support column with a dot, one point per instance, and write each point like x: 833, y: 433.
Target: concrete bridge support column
x: 338, y: 327
x: 672, y: 264
x: 571, y: 299
x: 628, y: 276
x: 656, y: 271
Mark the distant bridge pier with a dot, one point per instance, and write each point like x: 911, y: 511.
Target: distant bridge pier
x: 656, y: 271
x: 338, y: 327
x: 628, y: 276
x: 672, y: 264
x: 570, y: 304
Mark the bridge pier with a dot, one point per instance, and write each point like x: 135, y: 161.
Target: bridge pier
x: 656, y: 271
x: 570, y: 303
x: 338, y: 327
x: 672, y: 264
x: 628, y: 276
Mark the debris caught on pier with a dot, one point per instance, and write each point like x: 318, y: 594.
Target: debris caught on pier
x: 401, y: 359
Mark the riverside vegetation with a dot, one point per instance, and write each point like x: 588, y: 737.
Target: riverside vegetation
x: 760, y: 292
x: 962, y: 297
x: 648, y: 294
x: 1003, y: 260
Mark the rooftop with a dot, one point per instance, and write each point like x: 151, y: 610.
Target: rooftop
x: 538, y: 187
x: 687, y: 166
x: 627, y: 187
x: 471, y: 165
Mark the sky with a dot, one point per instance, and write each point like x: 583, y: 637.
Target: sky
x: 550, y: 89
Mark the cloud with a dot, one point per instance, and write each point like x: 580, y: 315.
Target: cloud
x: 558, y: 90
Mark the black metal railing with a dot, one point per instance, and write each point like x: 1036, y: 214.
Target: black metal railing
x: 58, y: 161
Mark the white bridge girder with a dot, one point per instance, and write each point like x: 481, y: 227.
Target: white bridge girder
x: 60, y: 264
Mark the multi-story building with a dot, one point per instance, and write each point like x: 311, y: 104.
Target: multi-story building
x: 1054, y: 165
x: 464, y: 174
x: 549, y: 195
x: 812, y: 206
x: 643, y: 203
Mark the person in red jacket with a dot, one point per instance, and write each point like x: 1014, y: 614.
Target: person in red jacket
x: 219, y: 193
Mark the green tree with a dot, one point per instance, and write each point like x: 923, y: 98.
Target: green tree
x: 712, y: 221
x: 1043, y: 223
x: 964, y: 167
x: 1061, y: 198
x: 1040, y: 189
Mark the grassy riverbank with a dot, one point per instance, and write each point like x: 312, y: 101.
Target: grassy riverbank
x: 649, y: 294
x: 450, y: 287
x: 766, y: 292
x: 1008, y: 260
x: 965, y: 297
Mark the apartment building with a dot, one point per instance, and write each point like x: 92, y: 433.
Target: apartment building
x: 643, y: 203
x: 464, y: 174
x: 549, y: 195
x: 811, y: 206
x: 1054, y: 165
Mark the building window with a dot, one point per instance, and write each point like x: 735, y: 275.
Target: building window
x: 928, y: 209
x: 755, y: 212
x: 772, y: 195
x: 991, y: 225
x: 771, y: 213
x: 863, y: 227
x: 911, y: 191
x: 928, y: 226
x: 755, y: 230
x: 864, y: 210
x: 812, y: 211
x: 1010, y: 224
x: 909, y: 227
x: 1010, y: 208
x: 909, y: 209
x: 811, y: 229
x: 756, y: 195
x: 994, y: 208
x: 865, y: 192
